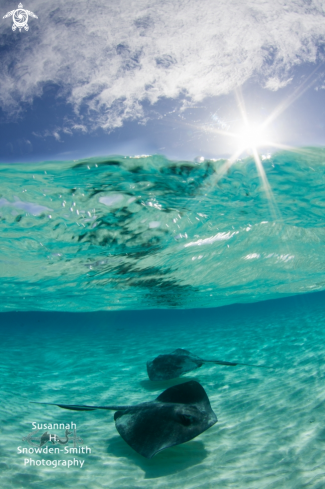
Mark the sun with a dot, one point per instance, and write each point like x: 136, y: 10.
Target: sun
x: 251, y: 137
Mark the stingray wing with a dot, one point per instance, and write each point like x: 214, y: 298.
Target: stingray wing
x: 8, y: 14
x: 31, y: 14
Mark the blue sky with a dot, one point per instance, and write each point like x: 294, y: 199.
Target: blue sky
x: 96, y: 78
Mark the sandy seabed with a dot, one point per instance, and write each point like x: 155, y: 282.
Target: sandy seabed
x: 270, y: 431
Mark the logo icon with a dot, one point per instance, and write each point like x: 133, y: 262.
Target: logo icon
x: 20, y: 18
x: 37, y: 440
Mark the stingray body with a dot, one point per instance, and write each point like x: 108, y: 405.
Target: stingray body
x: 176, y: 416
x: 180, y: 361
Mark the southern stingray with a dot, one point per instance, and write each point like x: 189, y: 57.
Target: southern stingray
x: 177, y: 415
x: 178, y: 362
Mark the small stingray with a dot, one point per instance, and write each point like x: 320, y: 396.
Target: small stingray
x: 178, y: 362
x: 179, y: 414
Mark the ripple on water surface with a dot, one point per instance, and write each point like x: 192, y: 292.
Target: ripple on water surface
x: 147, y: 232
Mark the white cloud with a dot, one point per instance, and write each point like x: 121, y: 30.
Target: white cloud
x: 108, y: 57
x: 274, y: 83
x: 46, y: 134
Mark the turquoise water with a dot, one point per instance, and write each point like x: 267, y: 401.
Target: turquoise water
x: 146, y: 232
x: 108, y: 262
x: 270, y: 430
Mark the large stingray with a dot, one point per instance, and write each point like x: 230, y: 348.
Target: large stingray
x: 178, y: 362
x: 179, y: 414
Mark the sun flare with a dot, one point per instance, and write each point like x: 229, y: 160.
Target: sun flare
x: 252, y: 137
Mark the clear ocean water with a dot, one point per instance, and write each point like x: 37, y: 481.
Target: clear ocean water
x: 107, y: 262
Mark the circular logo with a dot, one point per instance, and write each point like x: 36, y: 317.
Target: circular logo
x: 20, y: 19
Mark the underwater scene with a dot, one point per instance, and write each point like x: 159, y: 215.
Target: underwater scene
x: 162, y: 322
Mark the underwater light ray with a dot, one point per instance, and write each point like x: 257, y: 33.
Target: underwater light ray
x: 228, y: 164
x: 274, y: 210
x: 273, y: 207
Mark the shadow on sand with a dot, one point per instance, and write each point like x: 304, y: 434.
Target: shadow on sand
x: 165, y: 463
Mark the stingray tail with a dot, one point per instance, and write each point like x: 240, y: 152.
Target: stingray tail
x: 232, y: 364
x: 77, y: 407
x: 259, y: 366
